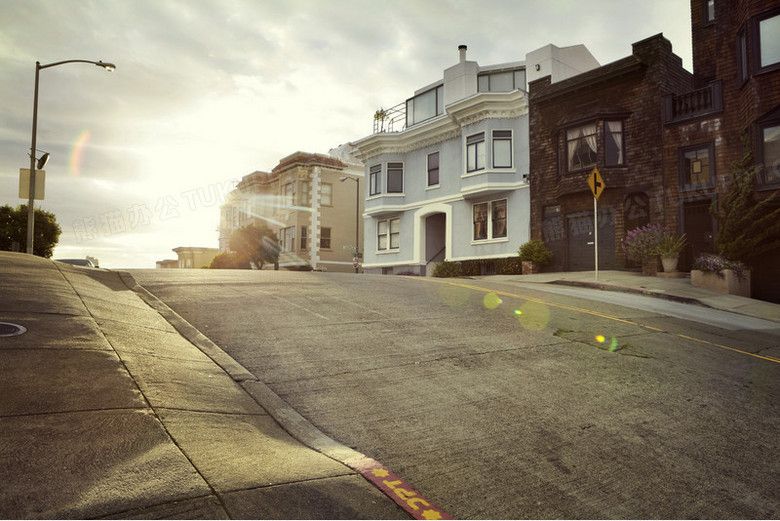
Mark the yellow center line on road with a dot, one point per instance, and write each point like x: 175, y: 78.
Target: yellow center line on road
x: 590, y: 312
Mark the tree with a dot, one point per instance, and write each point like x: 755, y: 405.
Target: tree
x: 256, y: 243
x: 231, y: 261
x: 13, y: 230
x: 747, y: 227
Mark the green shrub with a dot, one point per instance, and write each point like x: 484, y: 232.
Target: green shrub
x: 535, y: 250
x: 509, y: 266
x: 447, y: 269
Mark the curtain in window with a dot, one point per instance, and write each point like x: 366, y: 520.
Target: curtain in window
x: 589, y: 131
x: 499, y: 219
x: 616, y: 134
x: 480, y: 221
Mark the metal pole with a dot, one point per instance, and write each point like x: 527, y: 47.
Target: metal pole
x: 596, y: 233
x: 357, y: 225
x: 31, y: 201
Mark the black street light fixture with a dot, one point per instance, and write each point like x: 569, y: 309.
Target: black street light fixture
x: 42, y: 161
x: 357, y: 218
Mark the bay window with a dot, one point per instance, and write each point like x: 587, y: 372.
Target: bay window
x: 502, y: 149
x: 613, y: 143
x: 581, y: 147
x: 395, y: 178
x: 475, y: 152
x: 374, y: 180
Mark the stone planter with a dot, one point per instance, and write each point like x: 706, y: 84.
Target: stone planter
x: 728, y: 282
x: 530, y: 267
x: 650, y: 267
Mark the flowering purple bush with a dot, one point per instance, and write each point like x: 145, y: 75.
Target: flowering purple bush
x: 644, y: 242
x: 717, y: 263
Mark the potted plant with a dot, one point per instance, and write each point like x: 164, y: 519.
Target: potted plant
x: 669, y: 250
x: 720, y: 274
x: 534, y: 254
x: 642, y: 245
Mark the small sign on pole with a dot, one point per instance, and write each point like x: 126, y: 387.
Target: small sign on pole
x: 596, y: 184
x: 24, y: 183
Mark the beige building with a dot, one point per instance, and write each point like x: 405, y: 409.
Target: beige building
x: 314, y: 204
x: 190, y: 257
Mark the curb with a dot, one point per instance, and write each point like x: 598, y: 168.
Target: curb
x: 622, y: 289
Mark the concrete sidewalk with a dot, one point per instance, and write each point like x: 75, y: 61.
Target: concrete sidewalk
x: 676, y: 289
x: 109, y: 412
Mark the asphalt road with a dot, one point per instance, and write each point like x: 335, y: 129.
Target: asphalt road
x: 504, y: 401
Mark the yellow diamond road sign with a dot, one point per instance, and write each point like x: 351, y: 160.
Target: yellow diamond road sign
x: 596, y: 183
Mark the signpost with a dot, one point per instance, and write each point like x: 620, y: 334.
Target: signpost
x: 596, y: 184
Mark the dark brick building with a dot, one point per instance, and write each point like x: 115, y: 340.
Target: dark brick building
x: 663, y: 139
x: 735, y: 92
x: 609, y: 118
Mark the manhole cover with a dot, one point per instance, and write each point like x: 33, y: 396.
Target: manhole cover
x: 8, y: 329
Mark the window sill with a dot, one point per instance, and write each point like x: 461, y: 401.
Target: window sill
x: 477, y: 242
x: 385, y: 252
x: 433, y: 187
x: 489, y: 171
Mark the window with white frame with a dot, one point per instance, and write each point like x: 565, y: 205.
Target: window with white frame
x: 287, y: 238
x: 502, y: 149
x: 327, y: 194
x: 388, y: 234
x: 433, y: 169
x: 395, y: 178
x: 581, y: 147
x: 490, y: 220
x: 304, y: 236
x: 374, y: 180
x: 475, y: 152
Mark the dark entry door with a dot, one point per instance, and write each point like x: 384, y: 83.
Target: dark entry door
x: 581, y: 240
x: 697, y: 225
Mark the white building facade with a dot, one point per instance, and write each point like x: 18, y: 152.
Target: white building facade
x: 452, y: 184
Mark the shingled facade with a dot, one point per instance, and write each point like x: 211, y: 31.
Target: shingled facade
x: 607, y: 118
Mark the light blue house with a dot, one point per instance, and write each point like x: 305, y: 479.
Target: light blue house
x: 447, y: 171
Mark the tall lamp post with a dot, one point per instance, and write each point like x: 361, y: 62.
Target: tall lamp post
x: 31, y: 203
x: 357, y: 218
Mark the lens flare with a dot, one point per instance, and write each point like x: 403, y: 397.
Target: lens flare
x: 77, y: 153
x: 614, y: 345
x: 492, y: 301
x: 453, y: 296
x: 600, y: 339
x: 533, y: 316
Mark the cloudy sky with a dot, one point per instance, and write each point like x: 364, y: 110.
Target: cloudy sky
x: 207, y: 91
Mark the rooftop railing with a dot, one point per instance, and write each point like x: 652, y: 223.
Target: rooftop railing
x: 390, y: 120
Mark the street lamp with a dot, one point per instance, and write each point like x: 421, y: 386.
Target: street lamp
x: 357, y: 218
x: 31, y: 203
